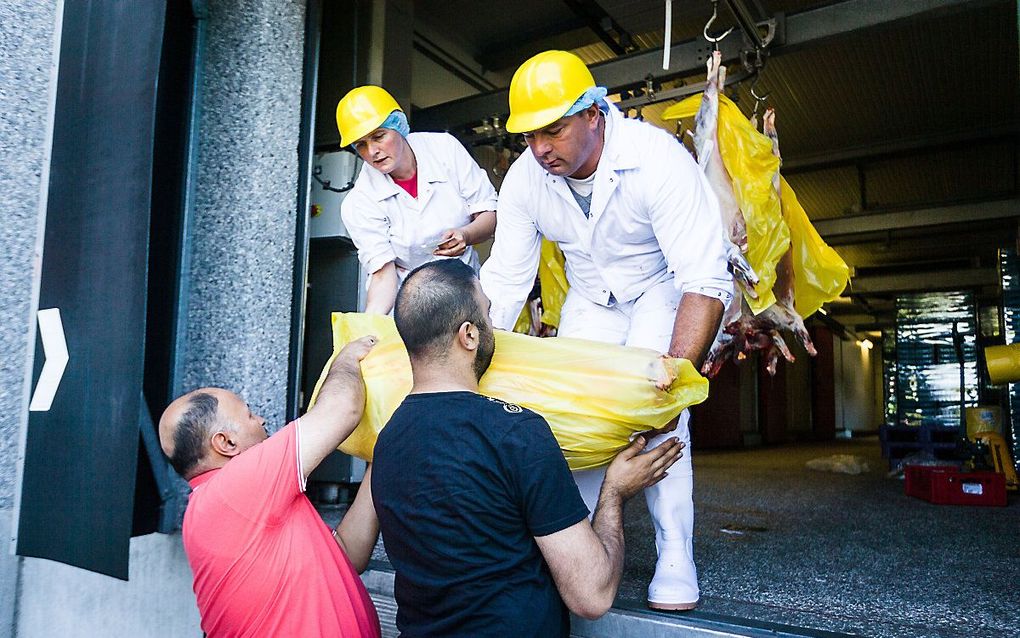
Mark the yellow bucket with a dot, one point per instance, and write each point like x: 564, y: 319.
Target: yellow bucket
x: 1003, y: 363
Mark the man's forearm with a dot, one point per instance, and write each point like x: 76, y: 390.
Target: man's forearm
x: 336, y: 413
x: 340, y: 405
x: 358, y: 531
x: 341, y: 398
x: 694, y: 329
x: 608, y: 527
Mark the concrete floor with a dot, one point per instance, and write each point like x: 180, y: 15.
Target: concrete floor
x: 835, y: 552
x: 839, y: 552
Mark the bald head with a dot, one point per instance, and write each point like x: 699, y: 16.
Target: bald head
x: 186, y: 425
x: 205, y: 428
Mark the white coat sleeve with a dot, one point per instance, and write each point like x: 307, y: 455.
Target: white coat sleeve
x: 369, y: 228
x: 687, y: 224
x: 508, y: 275
x: 472, y: 180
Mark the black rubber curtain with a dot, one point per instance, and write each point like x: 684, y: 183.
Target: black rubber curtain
x: 77, y: 489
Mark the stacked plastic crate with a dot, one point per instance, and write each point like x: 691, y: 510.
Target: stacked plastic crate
x: 931, y: 330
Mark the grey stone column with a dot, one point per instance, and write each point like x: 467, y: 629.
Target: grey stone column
x: 27, y: 85
x: 246, y: 199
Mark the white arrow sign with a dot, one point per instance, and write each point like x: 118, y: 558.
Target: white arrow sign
x: 51, y: 331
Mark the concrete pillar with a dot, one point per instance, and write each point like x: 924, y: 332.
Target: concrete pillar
x: 29, y: 32
x: 246, y: 202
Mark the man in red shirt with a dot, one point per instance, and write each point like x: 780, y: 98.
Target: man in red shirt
x: 264, y: 562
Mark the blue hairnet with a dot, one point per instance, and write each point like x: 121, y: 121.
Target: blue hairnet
x: 596, y: 94
x: 397, y: 121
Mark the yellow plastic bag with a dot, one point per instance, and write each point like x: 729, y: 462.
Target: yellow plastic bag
x: 552, y: 273
x: 594, y: 395
x: 821, y: 274
x: 552, y: 276
x: 747, y: 156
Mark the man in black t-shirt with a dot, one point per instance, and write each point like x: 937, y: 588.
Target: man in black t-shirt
x: 480, y: 517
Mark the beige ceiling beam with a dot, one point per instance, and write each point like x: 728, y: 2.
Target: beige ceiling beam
x: 924, y: 281
x: 843, y: 230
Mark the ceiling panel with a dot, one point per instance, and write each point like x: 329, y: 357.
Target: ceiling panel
x: 983, y: 171
x: 478, y: 25
x: 828, y: 193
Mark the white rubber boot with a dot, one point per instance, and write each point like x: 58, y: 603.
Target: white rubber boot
x: 670, y: 503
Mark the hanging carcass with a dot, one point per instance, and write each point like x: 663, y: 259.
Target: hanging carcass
x: 707, y: 151
x: 783, y: 313
x: 742, y: 332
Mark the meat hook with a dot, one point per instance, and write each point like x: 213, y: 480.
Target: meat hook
x: 715, y: 14
x: 758, y: 99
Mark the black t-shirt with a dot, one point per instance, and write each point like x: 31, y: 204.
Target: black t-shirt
x: 462, y: 484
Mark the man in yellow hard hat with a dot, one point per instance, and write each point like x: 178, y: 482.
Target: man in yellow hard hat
x: 643, y: 241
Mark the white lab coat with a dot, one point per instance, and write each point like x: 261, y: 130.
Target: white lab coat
x: 654, y: 233
x: 653, y: 218
x: 387, y: 224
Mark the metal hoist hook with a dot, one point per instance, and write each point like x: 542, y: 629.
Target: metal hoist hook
x: 758, y: 99
x: 715, y: 14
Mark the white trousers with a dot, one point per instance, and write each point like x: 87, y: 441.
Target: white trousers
x: 647, y: 322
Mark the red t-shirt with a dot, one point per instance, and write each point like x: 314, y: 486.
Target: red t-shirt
x: 409, y: 185
x: 265, y: 563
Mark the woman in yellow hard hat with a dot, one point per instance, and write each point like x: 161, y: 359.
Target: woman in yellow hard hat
x: 419, y: 197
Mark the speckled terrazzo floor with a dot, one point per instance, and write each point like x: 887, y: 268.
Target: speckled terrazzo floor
x: 836, y: 552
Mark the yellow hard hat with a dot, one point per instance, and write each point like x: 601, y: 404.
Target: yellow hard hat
x: 544, y: 88
x: 361, y: 111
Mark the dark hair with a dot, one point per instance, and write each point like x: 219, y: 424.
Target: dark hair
x: 435, y: 299
x: 191, y: 431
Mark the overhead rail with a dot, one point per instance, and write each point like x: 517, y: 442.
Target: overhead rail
x: 618, y: 39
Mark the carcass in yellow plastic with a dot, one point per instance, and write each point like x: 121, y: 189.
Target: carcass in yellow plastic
x: 594, y: 395
x: 821, y: 274
x: 747, y: 156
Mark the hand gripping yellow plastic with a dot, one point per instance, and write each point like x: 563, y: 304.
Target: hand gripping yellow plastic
x: 594, y: 395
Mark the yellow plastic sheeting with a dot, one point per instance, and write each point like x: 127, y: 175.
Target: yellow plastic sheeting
x: 821, y: 274
x: 594, y: 396
x: 747, y: 156
x: 552, y: 275
x: 523, y: 325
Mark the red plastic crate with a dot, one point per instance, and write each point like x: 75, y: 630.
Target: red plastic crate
x: 950, y: 486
